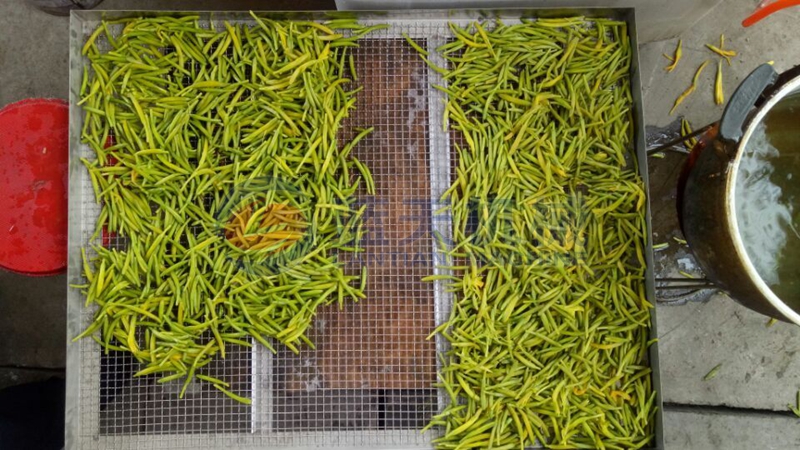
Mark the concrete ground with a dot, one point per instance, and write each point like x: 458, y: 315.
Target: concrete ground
x: 743, y: 407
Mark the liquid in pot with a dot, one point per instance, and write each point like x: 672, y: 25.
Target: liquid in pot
x: 767, y: 194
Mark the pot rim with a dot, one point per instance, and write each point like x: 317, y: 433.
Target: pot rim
x: 733, y: 226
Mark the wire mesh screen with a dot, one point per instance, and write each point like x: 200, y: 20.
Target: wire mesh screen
x: 141, y: 406
x: 370, y: 382
x: 373, y: 367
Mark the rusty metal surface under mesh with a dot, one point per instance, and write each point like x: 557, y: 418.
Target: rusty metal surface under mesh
x: 373, y: 364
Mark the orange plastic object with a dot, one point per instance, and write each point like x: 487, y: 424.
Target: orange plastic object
x: 766, y: 10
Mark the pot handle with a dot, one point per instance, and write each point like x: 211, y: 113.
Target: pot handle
x: 743, y: 100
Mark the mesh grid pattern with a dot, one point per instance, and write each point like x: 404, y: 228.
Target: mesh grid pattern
x: 373, y: 367
x: 370, y: 381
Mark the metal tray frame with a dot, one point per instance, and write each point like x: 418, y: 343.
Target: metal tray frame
x: 82, y: 22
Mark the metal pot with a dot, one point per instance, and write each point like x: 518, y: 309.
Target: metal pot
x: 706, y: 203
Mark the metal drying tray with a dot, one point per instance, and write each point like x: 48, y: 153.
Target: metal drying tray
x: 370, y: 382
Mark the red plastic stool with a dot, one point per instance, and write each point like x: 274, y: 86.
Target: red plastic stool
x: 34, y: 157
